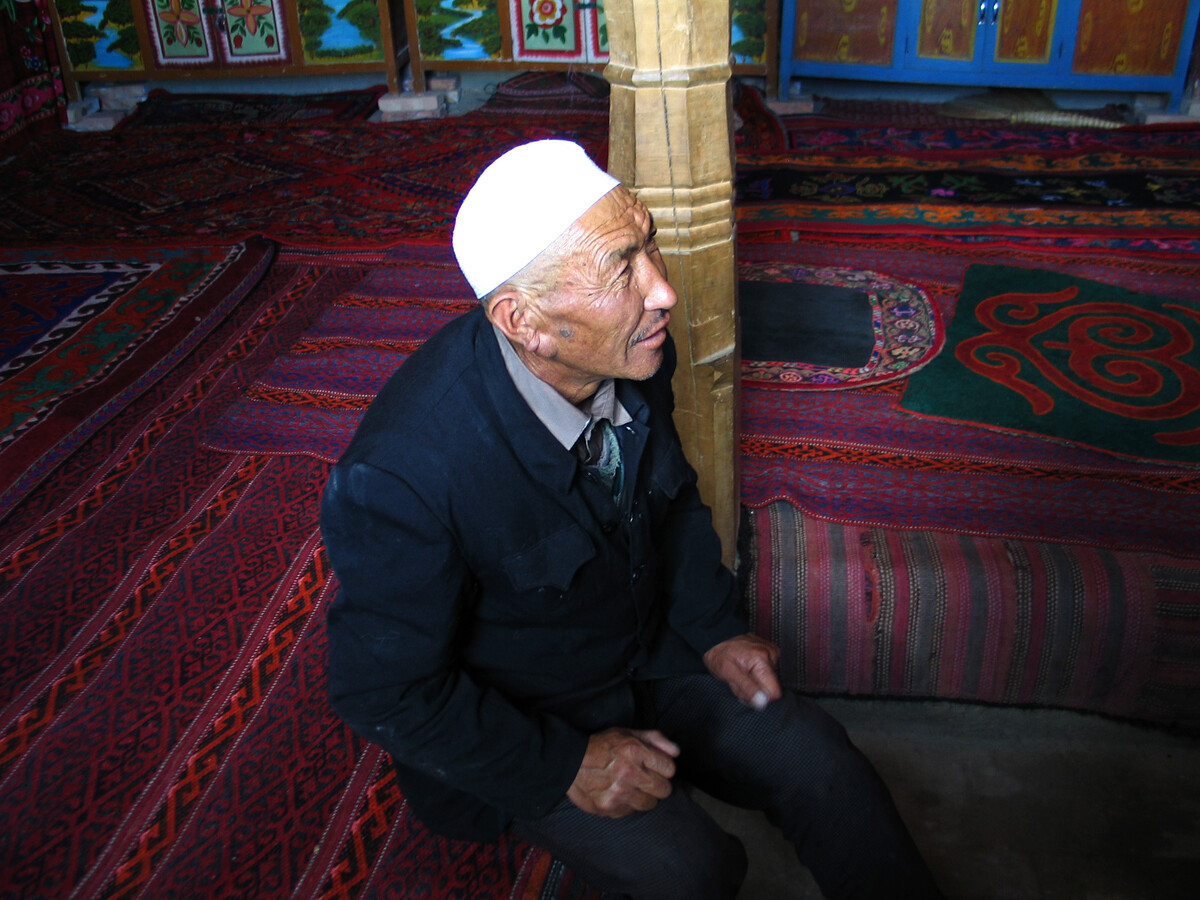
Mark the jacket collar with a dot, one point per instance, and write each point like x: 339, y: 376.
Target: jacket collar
x: 539, y: 451
x: 566, y: 421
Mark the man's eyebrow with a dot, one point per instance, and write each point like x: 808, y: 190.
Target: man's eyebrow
x: 633, y: 245
x: 623, y: 252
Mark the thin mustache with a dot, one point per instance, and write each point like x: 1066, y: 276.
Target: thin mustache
x: 663, y: 316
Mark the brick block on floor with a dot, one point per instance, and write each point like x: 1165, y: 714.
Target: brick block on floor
x: 413, y: 114
x: 398, y: 103
x: 793, y: 106
x: 449, y: 86
x: 78, y: 109
x: 117, y: 96
x: 104, y: 120
x: 1160, y: 118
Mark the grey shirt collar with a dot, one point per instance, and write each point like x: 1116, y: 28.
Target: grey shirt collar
x: 566, y: 421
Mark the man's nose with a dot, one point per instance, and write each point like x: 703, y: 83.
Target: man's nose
x: 658, y: 293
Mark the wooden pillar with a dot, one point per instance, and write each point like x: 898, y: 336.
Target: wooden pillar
x: 671, y: 142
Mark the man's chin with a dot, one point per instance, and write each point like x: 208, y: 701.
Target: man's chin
x: 648, y: 365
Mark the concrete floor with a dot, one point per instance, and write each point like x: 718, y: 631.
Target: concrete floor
x: 1012, y: 804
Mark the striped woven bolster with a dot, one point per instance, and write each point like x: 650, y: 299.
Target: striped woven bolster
x: 885, y: 612
x: 1174, y: 679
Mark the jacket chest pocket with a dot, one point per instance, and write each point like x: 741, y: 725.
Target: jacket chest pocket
x: 551, y: 563
x: 670, y: 475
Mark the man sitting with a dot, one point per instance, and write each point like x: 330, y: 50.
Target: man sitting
x: 534, y: 620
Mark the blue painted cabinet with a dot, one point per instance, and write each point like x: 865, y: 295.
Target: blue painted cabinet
x: 1110, y: 45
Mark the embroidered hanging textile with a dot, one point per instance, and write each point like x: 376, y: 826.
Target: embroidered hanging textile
x: 32, y: 98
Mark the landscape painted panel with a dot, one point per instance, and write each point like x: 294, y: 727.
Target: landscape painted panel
x: 337, y: 31
x: 99, y: 34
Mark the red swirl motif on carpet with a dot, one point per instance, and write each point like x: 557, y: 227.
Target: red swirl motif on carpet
x: 860, y: 457
x: 1122, y: 359
x: 1039, y: 351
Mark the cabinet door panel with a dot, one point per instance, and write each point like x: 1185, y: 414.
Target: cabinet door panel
x: 557, y: 30
x: 340, y: 31
x: 180, y: 32
x: 253, y: 31
x: 749, y: 30
x: 1129, y: 37
x: 845, y: 31
x: 1025, y: 29
x: 100, y: 35
x: 189, y: 33
x: 458, y: 29
x: 948, y: 29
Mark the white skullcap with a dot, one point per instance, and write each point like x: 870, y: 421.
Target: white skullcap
x: 519, y: 205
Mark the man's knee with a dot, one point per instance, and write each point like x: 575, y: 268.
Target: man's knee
x: 711, y: 869
x: 826, y: 766
x: 673, y: 852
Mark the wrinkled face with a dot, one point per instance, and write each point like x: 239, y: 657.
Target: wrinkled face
x: 607, y: 315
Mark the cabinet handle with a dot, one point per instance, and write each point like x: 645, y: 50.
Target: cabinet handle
x: 219, y: 13
x: 995, y: 12
x: 982, y: 13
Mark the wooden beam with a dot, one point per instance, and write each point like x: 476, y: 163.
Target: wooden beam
x: 671, y: 142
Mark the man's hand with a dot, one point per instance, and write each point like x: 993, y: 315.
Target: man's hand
x: 624, y: 771
x: 747, y: 664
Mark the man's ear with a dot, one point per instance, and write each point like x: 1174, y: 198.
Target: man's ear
x: 517, y: 317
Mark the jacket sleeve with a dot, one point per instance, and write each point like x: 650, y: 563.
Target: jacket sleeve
x: 701, y: 590
x: 395, y: 675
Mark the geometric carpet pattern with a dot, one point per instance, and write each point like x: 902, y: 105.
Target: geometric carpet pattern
x: 856, y: 178
x: 349, y: 185
x: 86, y: 329
x: 164, y: 726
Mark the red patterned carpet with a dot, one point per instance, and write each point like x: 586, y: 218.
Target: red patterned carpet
x: 970, y: 180
x: 338, y: 185
x: 164, y: 109
x: 131, y: 770
x: 857, y: 457
x: 85, y: 331
x: 164, y: 730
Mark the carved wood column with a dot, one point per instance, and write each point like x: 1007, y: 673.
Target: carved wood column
x: 671, y: 142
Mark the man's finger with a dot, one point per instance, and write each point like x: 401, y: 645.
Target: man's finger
x: 654, y: 763
x: 743, y: 685
x: 659, y: 740
x: 766, y: 681
x: 654, y: 785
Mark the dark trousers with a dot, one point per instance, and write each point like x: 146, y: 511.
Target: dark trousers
x: 791, y: 760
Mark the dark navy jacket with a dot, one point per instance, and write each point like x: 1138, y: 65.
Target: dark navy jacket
x: 495, y: 603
